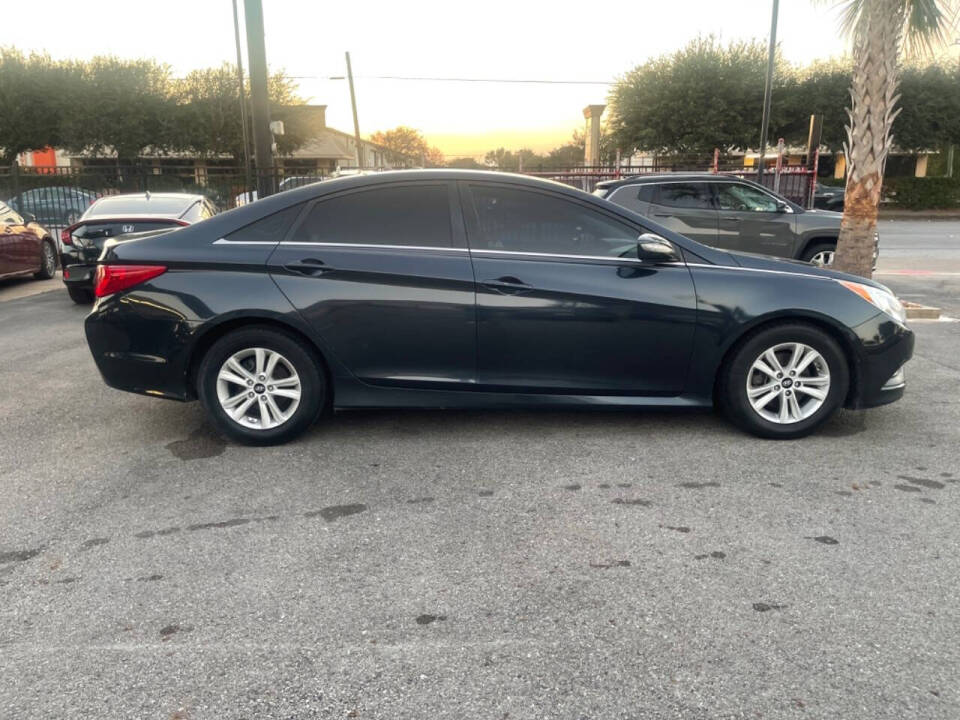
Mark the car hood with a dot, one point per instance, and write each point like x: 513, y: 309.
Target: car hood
x: 819, y: 220
x: 765, y: 262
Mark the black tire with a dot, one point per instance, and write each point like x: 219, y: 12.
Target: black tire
x: 812, y: 251
x: 732, y: 390
x: 81, y: 296
x: 48, y: 260
x: 306, y: 364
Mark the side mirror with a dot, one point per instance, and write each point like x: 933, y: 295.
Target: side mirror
x: 9, y: 220
x: 655, y: 248
x: 782, y: 207
x: 29, y: 217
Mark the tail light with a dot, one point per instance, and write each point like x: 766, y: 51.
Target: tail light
x: 114, y: 278
x: 66, y: 237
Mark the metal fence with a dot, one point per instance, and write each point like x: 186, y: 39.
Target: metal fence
x: 57, y: 196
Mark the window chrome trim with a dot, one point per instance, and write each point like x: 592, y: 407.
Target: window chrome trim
x: 561, y: 256
x: 293, y: 243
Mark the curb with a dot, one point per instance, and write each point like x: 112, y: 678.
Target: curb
x: 916, y: 311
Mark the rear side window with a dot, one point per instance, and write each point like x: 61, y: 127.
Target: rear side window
x: 272, y: 228
x: 411, y: 215
x: 693, y: 196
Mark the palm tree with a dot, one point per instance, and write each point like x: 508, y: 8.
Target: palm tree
x: 880, y: 30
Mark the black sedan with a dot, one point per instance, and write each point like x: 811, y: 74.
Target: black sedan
x: 474, y: 289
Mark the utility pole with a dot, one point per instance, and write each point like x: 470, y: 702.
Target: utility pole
x: 262, y: 139
x: 248, y: 175
x: 768, y: 88
x: 353, y: 104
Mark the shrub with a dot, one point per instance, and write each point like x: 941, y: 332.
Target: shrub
x: 922, y: 193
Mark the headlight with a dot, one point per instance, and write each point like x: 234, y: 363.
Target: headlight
x: 881, y: 298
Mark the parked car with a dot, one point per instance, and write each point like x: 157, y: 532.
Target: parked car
x: 54, y: 205
x: 829, y: 197
x: 456, y: 288
x: 115, y: 215
x: 729, y: 213
x: 25, y: 247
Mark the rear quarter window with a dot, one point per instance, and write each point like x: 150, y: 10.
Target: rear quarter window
x: 272, y: 228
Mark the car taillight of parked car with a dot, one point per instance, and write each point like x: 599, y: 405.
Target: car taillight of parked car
x: 114, y: 278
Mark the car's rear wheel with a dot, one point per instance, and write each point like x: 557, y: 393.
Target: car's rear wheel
x: 785, y: 381
x: 48, y: 261
x: 261, y: 386
x: 81, y: 296
x: 820, y: 254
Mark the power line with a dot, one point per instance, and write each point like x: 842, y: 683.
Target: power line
x: 527, y: 81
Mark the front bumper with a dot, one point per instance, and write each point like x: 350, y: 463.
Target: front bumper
x: 886, y: 346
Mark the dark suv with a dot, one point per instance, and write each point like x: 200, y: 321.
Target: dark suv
x: 729, y: 213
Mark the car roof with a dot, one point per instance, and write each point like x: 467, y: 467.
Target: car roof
x: 655, y: 178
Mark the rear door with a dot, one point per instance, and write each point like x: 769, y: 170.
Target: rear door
x: 686, y: 208
x: 383, y: 275
x: 564, y: 303
x: 751, y: 221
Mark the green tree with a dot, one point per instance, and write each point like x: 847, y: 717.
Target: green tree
x: 35, y: 92
x: 208, y: 113
x: 407, y: 143
x: 698, y: 98
x: 123, y: 105
x: 881, y: 30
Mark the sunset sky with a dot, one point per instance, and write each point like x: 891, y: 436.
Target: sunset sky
x: 493, y: 39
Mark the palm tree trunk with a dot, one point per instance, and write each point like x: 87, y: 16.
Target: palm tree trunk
x: 873, y: 96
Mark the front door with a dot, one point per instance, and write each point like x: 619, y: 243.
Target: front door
x: 384, y: 277
x: 565, y: 305
x: 686, y: 208
x: 752, y: 221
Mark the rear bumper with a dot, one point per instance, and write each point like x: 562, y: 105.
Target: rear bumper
x: 79, y: 275
x: 880, y: 377
x: 145, y: 351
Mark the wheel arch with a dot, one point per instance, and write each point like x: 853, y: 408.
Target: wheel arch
x: 831, y: 327
x: 206, y: 340
x: 817, y: 238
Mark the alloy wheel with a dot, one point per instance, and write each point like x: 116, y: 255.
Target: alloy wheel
x: 258, y: 388
x: 824, y: 258
x: 788, y: 383
x: 49, y: 259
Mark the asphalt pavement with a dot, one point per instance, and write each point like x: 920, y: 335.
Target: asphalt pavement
x: 401, y: 564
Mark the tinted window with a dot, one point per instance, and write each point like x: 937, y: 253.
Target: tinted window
x: 272, y: 228
x: 525, y: 221
x: 415, y: 215
x: 646, y: 192
x: 734, y: 196
x: 694, y: 196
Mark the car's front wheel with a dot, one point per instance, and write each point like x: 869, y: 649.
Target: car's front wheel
x: 261, y: 386
x: 785, y: 381
x: 820, y: 254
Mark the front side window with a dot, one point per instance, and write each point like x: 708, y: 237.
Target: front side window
x: 691, y: 196
x: 515, y: 220
x: 412, y: 215
x: 737, y: 197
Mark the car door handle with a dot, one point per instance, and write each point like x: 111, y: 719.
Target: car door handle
x: 730, y: 219
x: 507, y: 285
x: 311, y: 267
x: 662, y: 215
